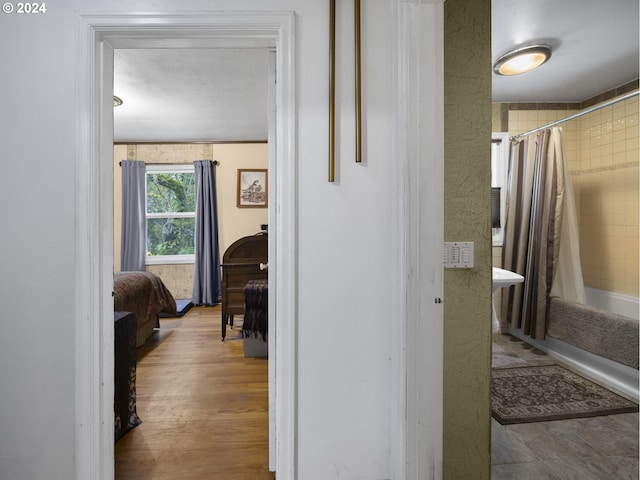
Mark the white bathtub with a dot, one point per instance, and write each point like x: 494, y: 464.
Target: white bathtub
x: 613, y: 302
x: 619, y: 378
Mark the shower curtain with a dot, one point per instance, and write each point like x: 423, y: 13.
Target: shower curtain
x: 541, y: 233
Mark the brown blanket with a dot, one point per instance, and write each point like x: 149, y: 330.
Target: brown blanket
x: 143, y: 294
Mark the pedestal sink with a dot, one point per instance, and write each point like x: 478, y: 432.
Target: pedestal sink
x: 502, y: 278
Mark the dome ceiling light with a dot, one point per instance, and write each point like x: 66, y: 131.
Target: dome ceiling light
x: 522, y: 60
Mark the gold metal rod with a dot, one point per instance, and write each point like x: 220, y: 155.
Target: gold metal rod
x: 332, y: 89
x: 358, y: 85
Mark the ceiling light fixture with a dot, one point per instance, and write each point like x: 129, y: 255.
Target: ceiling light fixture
x: 522, y: 60
x: 117, y: 101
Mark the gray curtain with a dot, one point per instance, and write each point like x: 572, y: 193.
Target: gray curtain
x: 207, y: 276
x: 134, y: 225
x: 535, y: 205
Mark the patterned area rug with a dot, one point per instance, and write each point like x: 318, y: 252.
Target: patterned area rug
x: 549, y: 392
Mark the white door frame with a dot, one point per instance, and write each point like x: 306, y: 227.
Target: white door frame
x: 418, y: 223
x: 98, y: 36
x: 417, y: 203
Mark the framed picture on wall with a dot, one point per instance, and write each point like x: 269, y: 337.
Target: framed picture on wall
x: 252, y: 188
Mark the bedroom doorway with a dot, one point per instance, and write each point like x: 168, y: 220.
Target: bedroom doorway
x: 193, y: 87
x: 102, y: 35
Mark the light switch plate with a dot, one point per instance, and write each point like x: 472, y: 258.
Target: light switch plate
x: 458, y: 255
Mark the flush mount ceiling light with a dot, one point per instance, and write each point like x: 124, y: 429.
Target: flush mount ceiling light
x: 117, y: 101
x: 522, y: 60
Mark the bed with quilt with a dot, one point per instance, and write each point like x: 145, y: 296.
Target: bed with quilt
x: 145, y: 295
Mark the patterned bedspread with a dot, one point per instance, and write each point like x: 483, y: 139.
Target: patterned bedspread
x: 143, y: 294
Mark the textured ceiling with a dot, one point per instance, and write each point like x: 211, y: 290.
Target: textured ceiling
x: 205, y: 94
x: 191, y: 95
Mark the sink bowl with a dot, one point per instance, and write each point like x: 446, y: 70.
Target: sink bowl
x: 505, y: 278
x: 502, y: 278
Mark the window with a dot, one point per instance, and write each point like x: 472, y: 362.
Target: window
x: 499, y: 174
x: 171, y: 218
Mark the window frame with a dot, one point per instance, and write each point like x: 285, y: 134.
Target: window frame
x: 168, y: 259
x: 501, y: 177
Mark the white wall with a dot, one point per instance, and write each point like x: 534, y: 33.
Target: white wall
x: 344, y: 265
x: 37, y: 256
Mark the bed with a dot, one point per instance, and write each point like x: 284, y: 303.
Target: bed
x: 146, y: 296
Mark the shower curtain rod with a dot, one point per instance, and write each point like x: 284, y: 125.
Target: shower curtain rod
x: 515, y: 138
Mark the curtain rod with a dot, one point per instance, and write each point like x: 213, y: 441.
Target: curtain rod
x: 199, y: 142
x: 579, y: 114
x: 215, y: 162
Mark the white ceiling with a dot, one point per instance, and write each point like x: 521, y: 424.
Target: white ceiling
x: 594, y: 42
x: 192, y: 95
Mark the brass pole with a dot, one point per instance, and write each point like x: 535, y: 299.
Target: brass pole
x: 358, y: 85
x: 332, y: 88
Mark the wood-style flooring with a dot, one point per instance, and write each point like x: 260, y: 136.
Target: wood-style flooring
x: 598, y: 448
x: 204, y: 406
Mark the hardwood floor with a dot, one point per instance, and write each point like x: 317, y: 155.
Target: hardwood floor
x: 204, y: 406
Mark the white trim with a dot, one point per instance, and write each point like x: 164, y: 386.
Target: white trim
x: 98, y: 36
x: 418, y: 213
x: 286, y: 253
x: 94, y: 339
x: 271, y: 339
x: 172, y: 215
x: 169, y: 259
x: 503, y: 176
x: 169, y: 167
x: 399, y: 219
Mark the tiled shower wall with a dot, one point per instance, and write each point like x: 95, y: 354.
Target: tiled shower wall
x: 602, y: 149
x: 606, y: 180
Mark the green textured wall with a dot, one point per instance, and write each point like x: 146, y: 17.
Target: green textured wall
x: 467, y: 293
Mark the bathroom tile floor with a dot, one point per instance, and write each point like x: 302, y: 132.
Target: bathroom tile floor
x: 603, y: 447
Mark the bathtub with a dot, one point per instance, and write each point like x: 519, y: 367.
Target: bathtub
x: 615, y: 376
x: 613, y: 302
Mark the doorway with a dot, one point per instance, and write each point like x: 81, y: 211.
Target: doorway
x: 416, y: 140
x: 181, y: 105
x: 95, y: 364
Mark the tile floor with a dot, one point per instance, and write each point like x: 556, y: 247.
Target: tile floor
x: 584, y: 448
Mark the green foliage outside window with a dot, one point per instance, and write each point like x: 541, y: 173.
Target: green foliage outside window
x: 171, y: 198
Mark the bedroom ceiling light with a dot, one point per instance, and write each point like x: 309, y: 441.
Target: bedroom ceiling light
x: 522, y: 60
x: 117, y: 101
